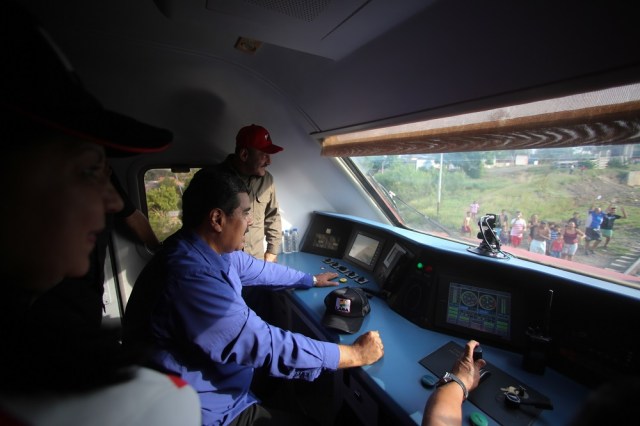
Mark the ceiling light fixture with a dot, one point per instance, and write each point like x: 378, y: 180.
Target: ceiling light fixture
x: 247, y: 45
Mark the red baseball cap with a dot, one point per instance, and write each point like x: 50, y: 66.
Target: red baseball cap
x: 256, y: 137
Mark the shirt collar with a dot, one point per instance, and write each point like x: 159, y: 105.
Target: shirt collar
x: 199, y: 245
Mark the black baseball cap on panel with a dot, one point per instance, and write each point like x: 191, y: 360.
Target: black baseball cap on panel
x: 40, y: 91
x: 345, y: 309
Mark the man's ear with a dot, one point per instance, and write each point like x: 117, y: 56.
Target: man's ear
x: 216, y: 219
x: 243, y: 154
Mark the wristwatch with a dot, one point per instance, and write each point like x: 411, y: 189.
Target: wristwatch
x: 315, y: 280
x: 450, y: 377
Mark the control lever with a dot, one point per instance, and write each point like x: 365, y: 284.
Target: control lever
x: 512, y: 400
x: 477, y: 353
x: 484, y: 374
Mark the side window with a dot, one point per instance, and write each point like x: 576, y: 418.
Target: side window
x: 163, y: 192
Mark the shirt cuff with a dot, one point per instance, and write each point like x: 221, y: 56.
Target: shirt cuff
x: 308, y: 281
x: 332, y: 356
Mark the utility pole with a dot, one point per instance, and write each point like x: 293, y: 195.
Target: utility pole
x: 439, y: 187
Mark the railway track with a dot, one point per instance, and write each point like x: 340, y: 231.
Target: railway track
x: 628, y: 263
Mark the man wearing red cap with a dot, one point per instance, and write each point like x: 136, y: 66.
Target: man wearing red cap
x: 250, y: 161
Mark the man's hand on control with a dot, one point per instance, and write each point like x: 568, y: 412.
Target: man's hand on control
x: 324, y: 279
x: 367, y: 349
x: 371, y: 347
x: 467, y: 369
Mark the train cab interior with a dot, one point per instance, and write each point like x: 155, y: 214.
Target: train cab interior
x: 396, y: 118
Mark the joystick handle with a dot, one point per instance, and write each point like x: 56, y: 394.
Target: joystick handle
x: 477, y: 353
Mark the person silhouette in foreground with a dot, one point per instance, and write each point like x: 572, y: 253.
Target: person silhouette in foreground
x: 56, y: 199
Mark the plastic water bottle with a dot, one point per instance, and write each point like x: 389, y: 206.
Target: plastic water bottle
x: 286, y: 241
x: 294, y: 240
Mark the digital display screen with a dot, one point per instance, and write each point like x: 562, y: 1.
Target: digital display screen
x: 481, y: 309
x: 364, y: 250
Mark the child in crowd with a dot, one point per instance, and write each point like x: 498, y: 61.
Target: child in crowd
x: 557, y: 242
x: 553, y: 234
x: 466, y: 224
x: 504, y: 236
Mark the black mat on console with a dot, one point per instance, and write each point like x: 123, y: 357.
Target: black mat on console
x: 488, y: 396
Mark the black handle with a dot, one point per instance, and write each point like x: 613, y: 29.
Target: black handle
x: 514, y: 401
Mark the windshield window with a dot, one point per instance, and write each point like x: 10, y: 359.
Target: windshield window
x: 447, y: 194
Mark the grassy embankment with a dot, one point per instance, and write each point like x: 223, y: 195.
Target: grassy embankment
x: 551, y: 194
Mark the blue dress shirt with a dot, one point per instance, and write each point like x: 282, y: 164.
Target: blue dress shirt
x: 204, y: 332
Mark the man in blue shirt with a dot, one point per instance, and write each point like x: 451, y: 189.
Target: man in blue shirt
x: 187, y: 306
x: 592, y: 231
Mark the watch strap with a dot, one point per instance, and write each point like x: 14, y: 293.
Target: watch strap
x: 450, y: 377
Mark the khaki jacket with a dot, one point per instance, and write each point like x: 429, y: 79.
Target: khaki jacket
x: 265, y: 211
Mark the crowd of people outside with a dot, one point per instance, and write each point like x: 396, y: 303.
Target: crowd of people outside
x: 559, y: 239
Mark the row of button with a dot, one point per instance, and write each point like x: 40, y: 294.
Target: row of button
x: 341, y: 268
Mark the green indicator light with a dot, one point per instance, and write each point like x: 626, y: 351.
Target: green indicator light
x: 419, y: 265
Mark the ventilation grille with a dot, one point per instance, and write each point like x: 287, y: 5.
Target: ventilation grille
x: 305, y: 10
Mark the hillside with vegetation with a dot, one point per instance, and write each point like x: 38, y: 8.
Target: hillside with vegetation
x: 551, y: 193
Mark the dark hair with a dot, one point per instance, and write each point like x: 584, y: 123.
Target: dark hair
x: 210, y: 188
